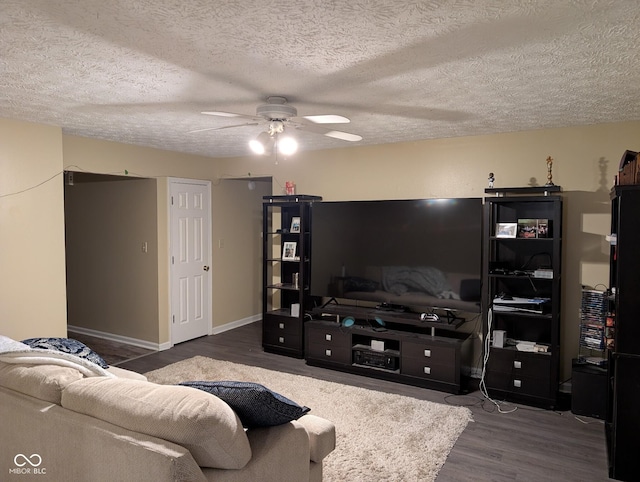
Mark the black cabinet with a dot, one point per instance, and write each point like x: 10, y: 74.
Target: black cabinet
x: 286, y: 272
x: 405, y: 349
x: 623, y: 398
x: 521, y: 294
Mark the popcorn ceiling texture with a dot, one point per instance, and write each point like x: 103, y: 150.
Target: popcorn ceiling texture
x: 141, y: 72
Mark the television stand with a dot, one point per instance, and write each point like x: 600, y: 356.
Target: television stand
x: 407, y: 350
x: 392, y: 307
x: 330, y: 301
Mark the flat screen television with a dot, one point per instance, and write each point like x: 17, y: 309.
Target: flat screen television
x: 417, y: 254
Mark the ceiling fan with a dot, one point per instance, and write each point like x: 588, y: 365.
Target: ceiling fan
x: 280, y: 115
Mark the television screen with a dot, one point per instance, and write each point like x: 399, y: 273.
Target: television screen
x: 413, y: 253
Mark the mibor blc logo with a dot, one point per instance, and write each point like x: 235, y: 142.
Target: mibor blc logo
x: 27, y: 465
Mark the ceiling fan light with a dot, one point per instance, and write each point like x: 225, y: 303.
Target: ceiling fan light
x: 287, y: 145
x: 256, y: 146
x: 260, y: 143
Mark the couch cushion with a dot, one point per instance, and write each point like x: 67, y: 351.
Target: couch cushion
x: 123, y: 373
x: 255, y: 404
x: 44, y: 382
x: 203, y: 424
x: 67, y: 345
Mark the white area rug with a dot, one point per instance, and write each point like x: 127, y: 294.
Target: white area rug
x: 380, y: 436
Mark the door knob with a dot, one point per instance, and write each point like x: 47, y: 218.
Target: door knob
x: 206, y: 268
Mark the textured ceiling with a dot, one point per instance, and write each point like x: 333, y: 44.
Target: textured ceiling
x: 140, y: 72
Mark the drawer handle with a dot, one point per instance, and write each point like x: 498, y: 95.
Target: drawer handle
x: 427, y: 370
x: 281, y: 326
x: 281, y: 339
x: 427, y: 353
x: 327, y: 352
x: 517, y: 383
x: 517, y: 364
x: 327, y: 336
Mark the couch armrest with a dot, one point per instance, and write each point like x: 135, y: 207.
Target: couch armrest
x: 279, y: 453
x: 322, y: 436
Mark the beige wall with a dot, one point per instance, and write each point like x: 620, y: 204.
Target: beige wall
x: 237, y: 250
x: 112, y: 282
x: 236, y: 273
x: 32, y: 271
x: 586, y: 161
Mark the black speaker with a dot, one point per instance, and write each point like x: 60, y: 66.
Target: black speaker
x: 589, y: 390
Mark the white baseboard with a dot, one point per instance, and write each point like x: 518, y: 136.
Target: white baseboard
x: 118, y: 338
x: 161, y: 346
x: 235, y: 324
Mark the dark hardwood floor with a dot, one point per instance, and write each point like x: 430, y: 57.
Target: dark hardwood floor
x: 528, y: 444
x: 111, y: 352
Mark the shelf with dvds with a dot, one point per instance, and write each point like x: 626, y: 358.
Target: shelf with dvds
x: 286, y: 272
x: 521, y: 294
x: 596, y: 327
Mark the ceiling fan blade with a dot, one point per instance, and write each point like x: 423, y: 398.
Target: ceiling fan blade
x: 345, y: 136
x: 327, y: 119
x: 219, y: 113
x: 224, y: 127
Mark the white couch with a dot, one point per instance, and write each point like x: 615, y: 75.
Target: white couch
x: 59, y: 423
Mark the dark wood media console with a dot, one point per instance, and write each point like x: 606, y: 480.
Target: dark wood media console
x: 406, y: 349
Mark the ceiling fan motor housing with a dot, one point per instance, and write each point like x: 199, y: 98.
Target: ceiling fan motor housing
x: 276, y: 109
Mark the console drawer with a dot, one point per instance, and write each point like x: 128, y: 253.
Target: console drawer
x: 517, y: 363
x: 282, y: 340
x: 329, y: 353
x: 519, y: 372
x: 328, y: 342
x: 517, y: 383
x: 427, y: 370
x: 282, y: 324
x: 429, y: 353
x: 331, y: 336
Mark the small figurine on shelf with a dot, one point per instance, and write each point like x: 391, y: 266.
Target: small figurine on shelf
x: 491, y: 179
x: 549, y: 175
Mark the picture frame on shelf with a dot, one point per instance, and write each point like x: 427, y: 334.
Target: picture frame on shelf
x: 533, y: 228
x: 295, y: 224
x: 506, y: 230
x: 289, y: 251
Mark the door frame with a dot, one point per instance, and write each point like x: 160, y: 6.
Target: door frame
x: 209, y: 248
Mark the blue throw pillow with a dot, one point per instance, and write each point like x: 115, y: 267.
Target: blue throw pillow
x: 255, y: 405
x: 67, y: 345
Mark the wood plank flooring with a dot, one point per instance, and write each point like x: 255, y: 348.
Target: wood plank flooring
x: 529, y: 444
x: 111, y: 352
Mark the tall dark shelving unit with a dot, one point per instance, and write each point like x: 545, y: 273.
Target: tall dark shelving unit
x: 282, y: 329
x: 623, y: 398
x: 525, y: 268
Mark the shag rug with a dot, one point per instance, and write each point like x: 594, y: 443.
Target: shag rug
x: 380, y: 436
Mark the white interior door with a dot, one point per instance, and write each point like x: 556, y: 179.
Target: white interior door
x: 190, y: 213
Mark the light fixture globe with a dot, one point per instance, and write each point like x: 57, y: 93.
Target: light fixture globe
x: 287, y: 145
x: 259, y: 144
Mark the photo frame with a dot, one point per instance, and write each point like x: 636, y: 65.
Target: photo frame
x: 289, y: 251
x: 533, y: 228
x: 295, y: 224
x: 506, y: 230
